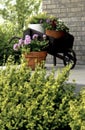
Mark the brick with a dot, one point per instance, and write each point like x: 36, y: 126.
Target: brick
x: 72, y: 12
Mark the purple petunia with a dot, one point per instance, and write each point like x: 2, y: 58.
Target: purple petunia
x: 27, y: 40
x: 35, y: 36
x: 47, y: 20
x: 30, y: 43
x: 16, y: 47
x: 20, y: 42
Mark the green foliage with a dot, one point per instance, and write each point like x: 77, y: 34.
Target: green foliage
x: 77, y: 112
x: 49, y: 22
x: 15, y: 14
x: 7, y: 30
x: 53, y: 23
x: 33, y: 100
x: 19, y: 10
x: 37, y: 19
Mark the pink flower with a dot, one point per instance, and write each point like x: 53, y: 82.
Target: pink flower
x: 35, y: 36
x: 27, y: 40
x: 27, y: 36
x: 16, y: 47
x: 20, y: 42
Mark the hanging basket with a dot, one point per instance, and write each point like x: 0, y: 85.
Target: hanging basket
x: 34, y: 58
x: 55, y: 34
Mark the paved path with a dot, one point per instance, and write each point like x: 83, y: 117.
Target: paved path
x: 77, y: 74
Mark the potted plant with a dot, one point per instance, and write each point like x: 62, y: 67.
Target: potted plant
x: 48, y: 24
x: 55, y: 27
x: 35, y: 21
x: 32, y: 48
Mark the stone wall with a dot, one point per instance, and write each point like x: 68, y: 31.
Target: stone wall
x: 72, y: 12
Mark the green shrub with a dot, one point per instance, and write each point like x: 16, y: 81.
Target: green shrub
x: 7, y: 31
x: 77, y: 112
x: 34, y: 100
x: 36, y: 19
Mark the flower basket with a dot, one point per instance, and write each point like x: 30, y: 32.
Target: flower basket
x: 55, y: 34
x: 35, y: 58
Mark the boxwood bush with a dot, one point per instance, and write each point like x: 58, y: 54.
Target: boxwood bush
x: 77, y: 112
x: 34, y: 100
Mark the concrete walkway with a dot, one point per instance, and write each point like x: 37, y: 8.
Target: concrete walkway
x: 77, y: 74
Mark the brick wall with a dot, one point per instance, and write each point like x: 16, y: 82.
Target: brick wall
x: 72, y: 12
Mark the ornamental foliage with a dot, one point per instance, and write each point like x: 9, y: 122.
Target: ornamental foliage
x: 77, y: 111
x: 34, y: 100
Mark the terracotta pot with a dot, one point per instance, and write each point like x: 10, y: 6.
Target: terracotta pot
x: 34, y: 58
x: 55, y: 34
